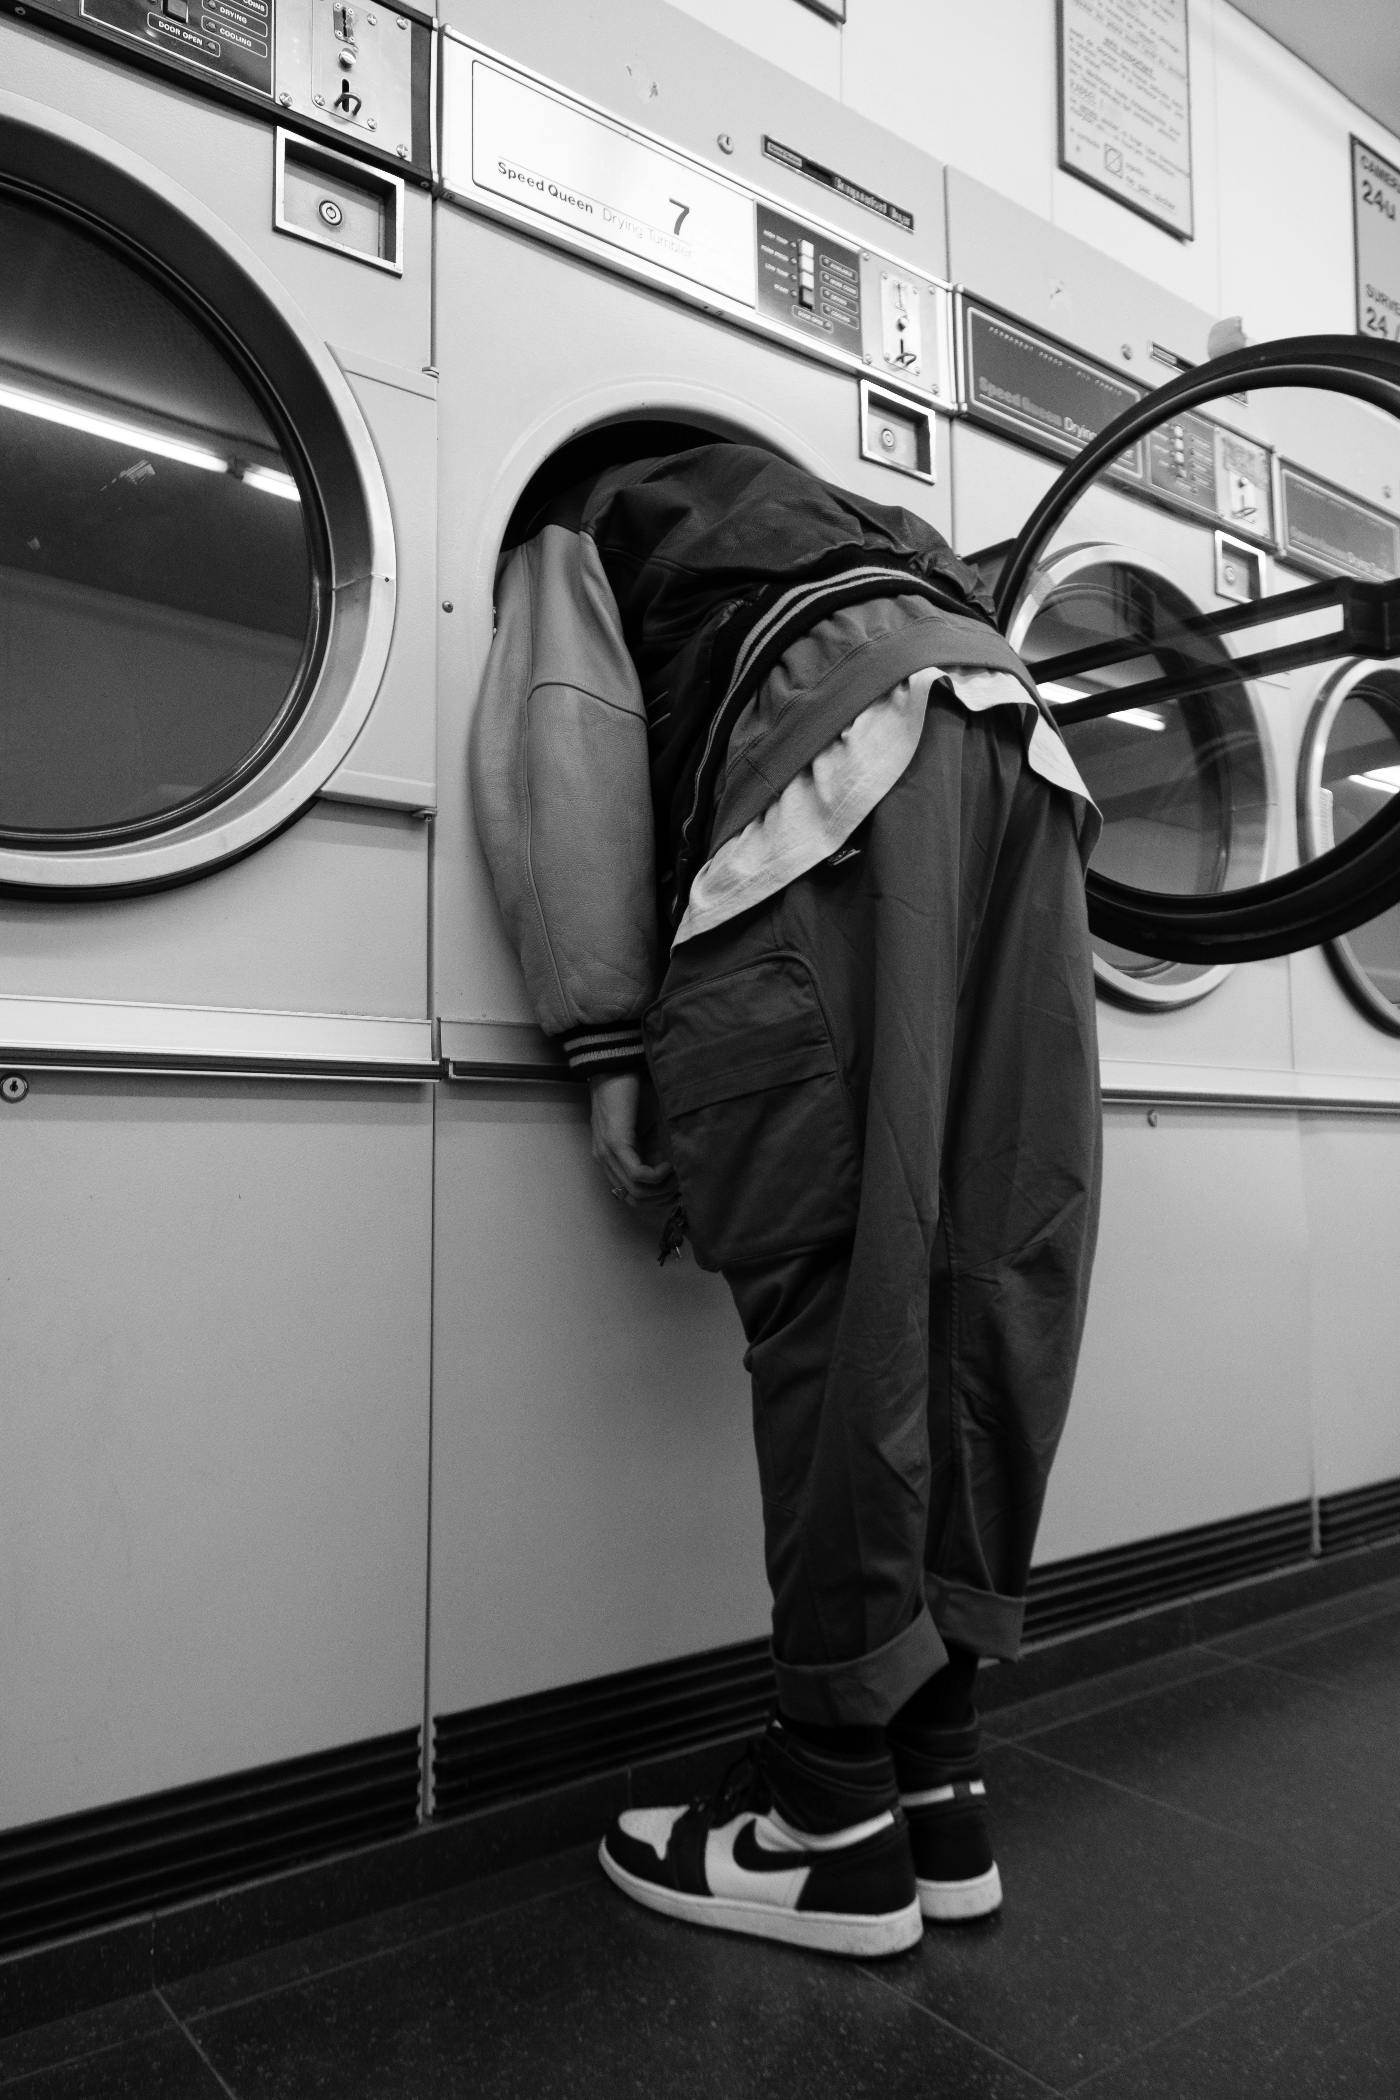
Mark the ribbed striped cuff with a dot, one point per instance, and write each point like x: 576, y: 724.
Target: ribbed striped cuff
x: 593, y: 1050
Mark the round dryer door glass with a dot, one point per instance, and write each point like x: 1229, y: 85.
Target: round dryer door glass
x: 1350, y: 773
x: 1262, y: 489
x: 1183, y: 788
x: 160, y: 594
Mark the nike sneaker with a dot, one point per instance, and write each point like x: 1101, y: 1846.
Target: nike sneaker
x: 944, y: 1797
x: 792, y: 1845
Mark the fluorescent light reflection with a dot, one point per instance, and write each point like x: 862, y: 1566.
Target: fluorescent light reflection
x: 49, y: 411
x: 1135, y: 717
x: 272, y: 483
x: 143, y: 439
x: 1385, y: 779
x: 1139, y: 717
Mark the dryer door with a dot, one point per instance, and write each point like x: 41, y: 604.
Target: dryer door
x: 1186, y: 720
x: 197, y: 574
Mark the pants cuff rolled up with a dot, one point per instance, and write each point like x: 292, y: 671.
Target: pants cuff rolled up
x: 978, y: 1619
x: 867, y: 1690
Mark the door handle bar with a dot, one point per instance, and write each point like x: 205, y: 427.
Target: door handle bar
x: 1370, y: 626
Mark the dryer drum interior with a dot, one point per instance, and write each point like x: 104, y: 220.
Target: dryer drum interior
x: 196, y: 559
x: 165, y: 572
x: 1350, y: 774
x: 1183, y: 789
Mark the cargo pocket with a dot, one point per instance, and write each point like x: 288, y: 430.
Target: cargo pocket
x: 761, y: 1127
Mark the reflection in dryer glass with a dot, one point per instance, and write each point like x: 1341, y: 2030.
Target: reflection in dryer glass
x: 1360, y: 773
x: 1180, y: 783
x: 158, y: 591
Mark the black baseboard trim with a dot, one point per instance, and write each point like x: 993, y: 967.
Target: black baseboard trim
x: 73, y: 1872
x: 183, y: 1930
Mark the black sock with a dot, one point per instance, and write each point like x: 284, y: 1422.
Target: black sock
x: 944, y: 1700
x: 852, y: 1742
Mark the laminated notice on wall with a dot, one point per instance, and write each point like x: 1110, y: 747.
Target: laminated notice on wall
x: 1125, y: 104
x: 1376, y: 210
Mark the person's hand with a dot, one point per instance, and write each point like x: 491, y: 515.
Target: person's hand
x: 616, y: 1100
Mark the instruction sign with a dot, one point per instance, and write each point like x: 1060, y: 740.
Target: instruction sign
x: 1125, y: 104
x: 1375, y: 198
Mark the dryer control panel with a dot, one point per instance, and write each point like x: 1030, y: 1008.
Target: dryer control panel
x: 520, y: 148
x: 1016, y: 380
x: 359, y: 73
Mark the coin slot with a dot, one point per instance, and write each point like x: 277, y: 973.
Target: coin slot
x: 325, y: 197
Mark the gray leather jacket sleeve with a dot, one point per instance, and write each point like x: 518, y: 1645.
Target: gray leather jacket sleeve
x: 562, y: 789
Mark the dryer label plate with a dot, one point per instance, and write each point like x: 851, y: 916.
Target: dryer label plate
x: 563, y: 162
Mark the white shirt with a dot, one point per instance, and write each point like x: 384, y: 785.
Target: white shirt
x: 819, y: 809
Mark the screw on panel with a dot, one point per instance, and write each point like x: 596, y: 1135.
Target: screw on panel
x: 285, y: 99
x: 373, y: 123
x: 14, y: 1086
x: 1153, y: 1117
x: 1128, y: 351
x: 402, y: 152
x: 447, y: 605
x: 725, y: 142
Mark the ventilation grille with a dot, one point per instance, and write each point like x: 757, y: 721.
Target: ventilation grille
x: 1099, y: 1586
x: 527, y: 1746
x: 76, y: 1871
x: 1360, y: 1517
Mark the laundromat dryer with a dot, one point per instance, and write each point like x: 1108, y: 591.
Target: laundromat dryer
x: 216, y: 767
x: 1180, y: 591
x: 642, y: 245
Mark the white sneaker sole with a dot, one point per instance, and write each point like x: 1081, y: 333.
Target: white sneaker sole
x: 829, y: 1932
x: 950, y: 1901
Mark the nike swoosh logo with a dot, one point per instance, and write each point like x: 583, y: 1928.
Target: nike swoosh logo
x: 750, y: 1855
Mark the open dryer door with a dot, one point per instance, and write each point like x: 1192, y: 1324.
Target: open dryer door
x: 1186, y: 719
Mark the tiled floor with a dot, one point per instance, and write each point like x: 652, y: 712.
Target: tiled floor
x: 1202, y: 1863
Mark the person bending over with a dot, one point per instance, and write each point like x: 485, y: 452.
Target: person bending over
x: 772, y: 809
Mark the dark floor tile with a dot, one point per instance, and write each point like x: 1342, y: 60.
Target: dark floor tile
x: 58, y: 2041
x: 586, y: 1995
x: 1123, y: 1919
x: 1361, y: 1660
x: 42, y: 1984
x: 1329, y: 1614
x: 242, y: 1921
x: 321, y: 1953
x: 1326, y: 2029
x: 1295, y: 1765
x: 1071, y: 1701
x: 1075, y: 1656
x: 157, y: 2067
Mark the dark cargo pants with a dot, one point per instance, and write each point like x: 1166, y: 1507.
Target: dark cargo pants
x: 881, y: 1090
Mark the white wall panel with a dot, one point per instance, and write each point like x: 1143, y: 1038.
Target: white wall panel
x: 1352, y: 1169
x: 595, y: 1497
x: 973, y: 85
x: 214, y: 1327
x: 1192, y: 1402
